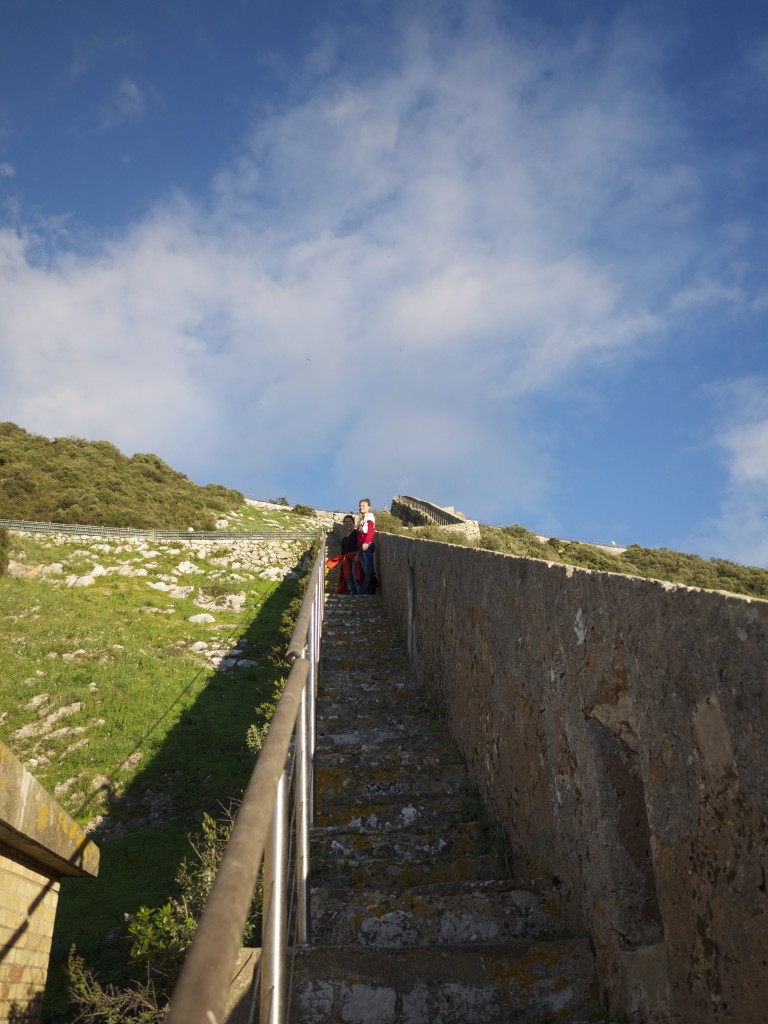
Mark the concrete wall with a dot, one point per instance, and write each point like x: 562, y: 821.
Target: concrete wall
x: 39, y: 844
x: 618, y: 727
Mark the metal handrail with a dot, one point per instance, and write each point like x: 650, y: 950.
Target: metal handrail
x: 434, y: 512
x: 259, y: 832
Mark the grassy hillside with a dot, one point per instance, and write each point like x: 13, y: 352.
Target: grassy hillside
x: 69, y: 480
x: 652, y: 563
x: 134, y: 715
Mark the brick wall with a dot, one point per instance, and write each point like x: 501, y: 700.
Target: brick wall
x: 27, y: 913
x: 39, y: 844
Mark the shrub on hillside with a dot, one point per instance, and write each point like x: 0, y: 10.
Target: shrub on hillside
x: 3, y: 551
x: 693, y: 571
x: 69, y: 480
x: 160, y: 937
x: 303, y: 510
x: 651, y: 563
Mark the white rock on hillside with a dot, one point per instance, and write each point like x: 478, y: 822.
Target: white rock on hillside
x: 186, y: 568
x: 80, y: 581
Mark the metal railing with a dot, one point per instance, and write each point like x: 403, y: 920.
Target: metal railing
x: 434, y: 512
x: 75, y: 530
x: 262, y: 830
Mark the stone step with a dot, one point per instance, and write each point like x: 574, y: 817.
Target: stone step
x: 527, y: 982
x: 395, y: 671
x: 378, y: 749
x: 406, y: 724
x: 463, y: 913
x: 354, y: 858
x: 389, y: 782
x: 367, y: 873
x: 382, y: 695
x: 410, y: 845
x: 380, y: 714
x: 385, y: 816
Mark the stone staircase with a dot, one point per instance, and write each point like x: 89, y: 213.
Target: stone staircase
x: 415, y: 916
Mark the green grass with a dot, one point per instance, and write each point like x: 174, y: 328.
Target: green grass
x: 124, y: 672
x: 105, y: 700
x: 254, y: 517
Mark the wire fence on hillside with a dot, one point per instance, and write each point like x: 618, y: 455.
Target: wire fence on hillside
x: 76, y: 530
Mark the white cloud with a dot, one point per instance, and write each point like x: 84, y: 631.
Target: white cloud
x: 419, y: 246
x: 128, y: 102
x: 7, y: 170
x: 741, y: 526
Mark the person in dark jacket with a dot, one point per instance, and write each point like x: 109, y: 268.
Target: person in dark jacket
x: 349, y: 569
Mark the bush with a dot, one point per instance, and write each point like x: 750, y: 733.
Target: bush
x: 139, y: 1003
x: 3, y: 551
x: 160, y: 937
x: 303, y: 510
x: 69, y: 480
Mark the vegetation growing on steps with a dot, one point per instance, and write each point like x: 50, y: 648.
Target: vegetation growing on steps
x: 69, y: 480
x: 651, y: 563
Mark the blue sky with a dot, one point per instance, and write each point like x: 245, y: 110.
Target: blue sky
x: 509, y: 257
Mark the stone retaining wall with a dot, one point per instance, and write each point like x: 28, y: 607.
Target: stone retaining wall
x: 618, y: 727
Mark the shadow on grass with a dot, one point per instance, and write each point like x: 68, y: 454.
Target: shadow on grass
x: 202, y: 765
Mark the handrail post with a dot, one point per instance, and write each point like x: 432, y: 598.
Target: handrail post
x: 302, y: 815
x: 272, y: 1003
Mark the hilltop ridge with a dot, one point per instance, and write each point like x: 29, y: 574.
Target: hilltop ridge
x: 71, y: 480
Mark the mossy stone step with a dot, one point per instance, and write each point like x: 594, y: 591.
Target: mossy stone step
x: 531, y: 983
x: 355, y: 858
x: 391, y: 707
x: 367, y: 873
x: 388, y: 815
x: 372, y: 692
x: 349, y: 750
x: 389, y: 782
x: 376, y: 723
x: 468, y: 913
x: 461, y: 840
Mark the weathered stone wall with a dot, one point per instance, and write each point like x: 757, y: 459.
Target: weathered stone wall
x: 618, y: 727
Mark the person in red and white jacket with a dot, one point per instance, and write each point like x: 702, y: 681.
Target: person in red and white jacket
x: 366, y: 529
